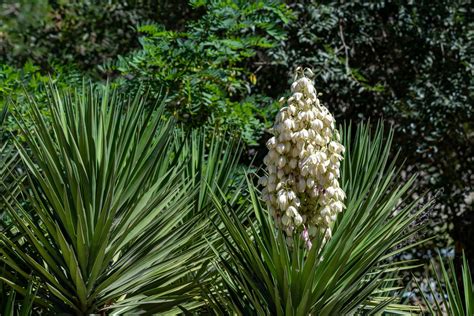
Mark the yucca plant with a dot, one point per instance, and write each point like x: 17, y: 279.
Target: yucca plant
x: 352, y: 272
x: 211, y: 160
x: 112, y: 216
x: 453, y: 294
x: 10, y: 302
x: 9, y: 179
x: 211, y: 165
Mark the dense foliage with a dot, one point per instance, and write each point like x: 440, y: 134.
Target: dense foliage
x: 71, y: 72
x: 204, y: 69
x: 75, y: 32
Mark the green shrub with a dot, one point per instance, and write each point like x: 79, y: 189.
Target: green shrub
x: 205, y: 69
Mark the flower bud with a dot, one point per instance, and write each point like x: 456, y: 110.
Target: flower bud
x: 271, y: 143
x: 298, y: 220
x: 291, y: 211
x: 280, y: 148
x: 281, y: 162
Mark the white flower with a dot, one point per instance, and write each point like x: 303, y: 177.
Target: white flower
x: 304, y: 134
x: 282, y: 200
x: 314, y: 192
x: 325, y: 211
x: 328, y: 119
x: 297, y: 202
x: 281, y: 162
x: 291, y: 211
x: 331, y: 191
x: 335, y: 147
x: 319, y: 140
x: 298, y: 220
x: 292, y: 109
x: 280, y: 148
x: 340, y: 194
x: 271, y: 143
x: 302, y: 187
x: 291, y: 195
x: 289, y: 123
x: 337, y: 207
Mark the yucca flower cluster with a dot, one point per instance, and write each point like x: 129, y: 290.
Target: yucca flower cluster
x: 302, y: 189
